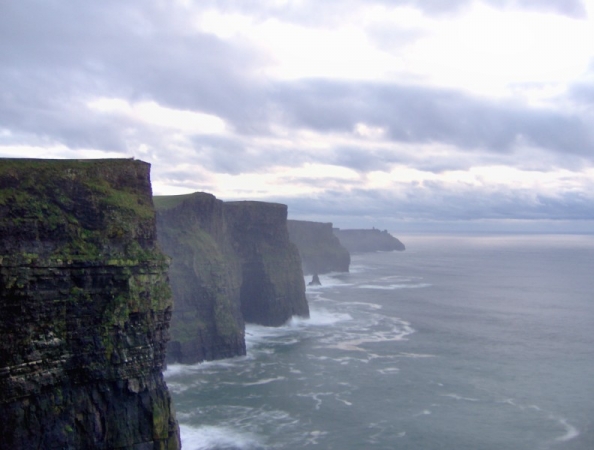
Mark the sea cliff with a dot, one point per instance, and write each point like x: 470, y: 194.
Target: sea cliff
x: 232, y: 262
x: 206, y: 278
x: 368, y: 240
x: 84, y: 308
x: 320, y: 251
x: 272, y: 289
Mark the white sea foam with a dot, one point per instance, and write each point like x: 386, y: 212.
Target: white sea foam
x: 319, y: 317
x: 313, y: 437
x: 393, y: 287
x: 264, y: 381
x: 209, y: 437
x: 359, y: 268
x: 329, y: 280
x: 459, y: 397
x: 316, y: 397
x: 174, y: 370
x: 389, y: 370
x: 571, y: 432
x: 415, y: 355
x: 367, y: 305
x: 391, y: 329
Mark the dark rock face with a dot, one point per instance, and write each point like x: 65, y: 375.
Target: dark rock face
x: 84, y: 308
x: 205, y: 275
x: 320, y: 250
x: 230, y: 262
x: 368, y: 240
x: 272, y: 289
x: 315, y: 281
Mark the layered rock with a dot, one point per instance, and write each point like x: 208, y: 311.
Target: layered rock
x: 84, y: 308
x: 320, y: 250
x: 231, y: 262
x: 368, y: 240
x: 205, y: 275
x: 273, y: 288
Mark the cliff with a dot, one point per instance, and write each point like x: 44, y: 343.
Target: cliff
x: 205, y: 275
x: 272, y: 289
x: 84, y: 308
x: 230, y: 262
x: 368, y: 240
x: 320, y: 250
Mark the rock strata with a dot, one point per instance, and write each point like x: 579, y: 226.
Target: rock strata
x: 368, y: 240
x: 84, y: 308
x: 320, y: 250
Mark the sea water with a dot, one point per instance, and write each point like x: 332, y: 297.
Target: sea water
x: 482, y: 342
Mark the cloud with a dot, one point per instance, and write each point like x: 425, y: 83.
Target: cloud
x: 353, y: 131
x: 423, y: 115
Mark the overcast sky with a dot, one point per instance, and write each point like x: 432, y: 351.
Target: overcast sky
x: 409, y: 115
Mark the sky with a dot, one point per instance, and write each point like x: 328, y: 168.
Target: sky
x: 407, y: 115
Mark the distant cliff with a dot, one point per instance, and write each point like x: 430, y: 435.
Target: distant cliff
x: 368, y: 240
x: 205, y: 275
x: 230, y: 262
x: 84, y: 308
x: 320, y: 250
x: 272, y: 289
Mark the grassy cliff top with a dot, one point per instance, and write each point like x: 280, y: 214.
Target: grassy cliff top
x: 75, y: 206
x: 162, y: 202
x: 118, y: 183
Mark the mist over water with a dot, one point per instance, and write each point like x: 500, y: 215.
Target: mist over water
x: 456, y: 343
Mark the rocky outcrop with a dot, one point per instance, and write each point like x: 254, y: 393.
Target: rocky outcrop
x: 230, y: 262
x: 368, y: 240
x: 205, y: 275
x: 320, y: 250
x: 272, y: 288
x: 84, y: 308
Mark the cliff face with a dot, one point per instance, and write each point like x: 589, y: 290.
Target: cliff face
x: 320, y: 250
x: 84, y: 308
x: 205, y: 275
x: 272, y: 288
x: 230, y: 262
x: 368, y: 240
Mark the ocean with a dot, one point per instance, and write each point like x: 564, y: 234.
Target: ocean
x: 459, y: 342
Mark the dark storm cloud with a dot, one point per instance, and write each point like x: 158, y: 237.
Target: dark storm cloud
x: 423, y: 115
x: 56, y: 55
x: 435, y: 201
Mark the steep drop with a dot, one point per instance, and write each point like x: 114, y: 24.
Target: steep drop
x: 84, y: 308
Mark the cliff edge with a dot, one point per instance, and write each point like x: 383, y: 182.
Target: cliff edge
x: 84, y: 308
x: 320, y: 250
x: 368, y: 240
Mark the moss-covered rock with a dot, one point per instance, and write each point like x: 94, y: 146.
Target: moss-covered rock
x: 205, y: 276
x: 84, y: 308
x: 230, y: 262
